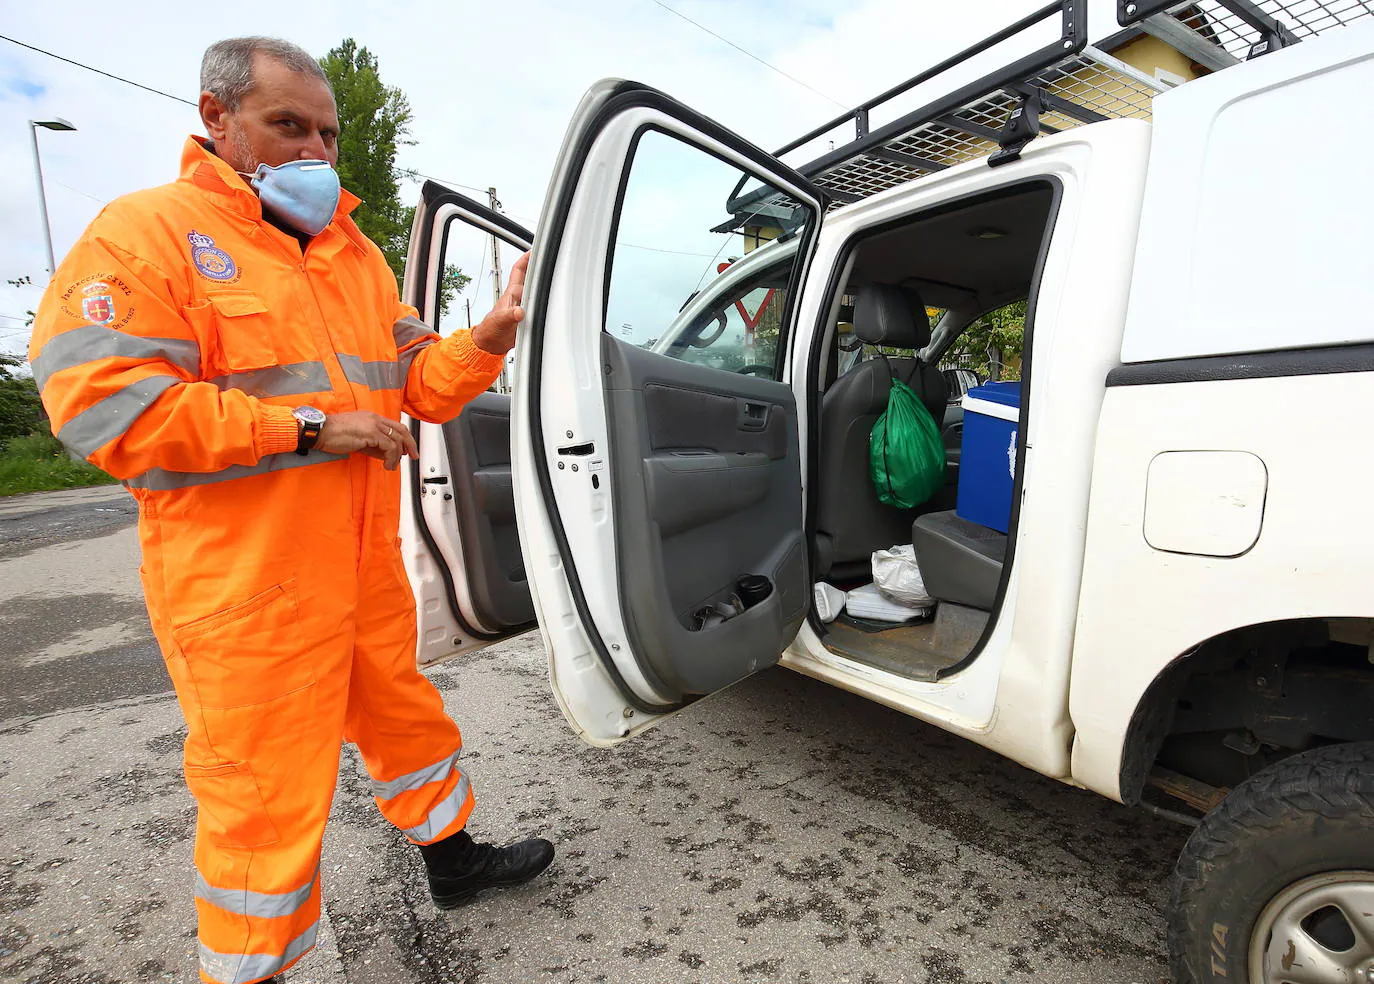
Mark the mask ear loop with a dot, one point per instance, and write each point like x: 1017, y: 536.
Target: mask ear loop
x: 254, y: 178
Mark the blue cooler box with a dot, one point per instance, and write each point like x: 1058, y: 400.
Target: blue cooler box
x: 987, y: 461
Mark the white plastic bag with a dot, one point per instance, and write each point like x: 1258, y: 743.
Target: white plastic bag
x: 829, y: 601
x: 870, y: 603
x: 898, y: 577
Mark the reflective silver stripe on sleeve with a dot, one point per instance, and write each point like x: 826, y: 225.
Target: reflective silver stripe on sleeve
x: 408, y: 356
x: 294, y: 379
x: 265, y: 905
x: 92, y: 342
x: 103, y: 421
x: 160, y: 480
x: 384, y: 375
x: 240, y: 968
x: 443, y: 813
x: 408, y: 330
x: 415, y: 780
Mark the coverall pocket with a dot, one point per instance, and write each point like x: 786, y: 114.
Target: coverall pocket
x: 234, y: 332
x: 231, y: 804
x: 250, y: 653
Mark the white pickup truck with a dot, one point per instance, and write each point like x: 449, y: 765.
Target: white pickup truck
x: 1180, y: 610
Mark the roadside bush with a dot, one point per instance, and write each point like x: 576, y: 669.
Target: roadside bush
x: 38, y: 462
x: 21, y: 413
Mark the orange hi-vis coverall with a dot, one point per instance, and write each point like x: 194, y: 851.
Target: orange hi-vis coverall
x: 170, y: 349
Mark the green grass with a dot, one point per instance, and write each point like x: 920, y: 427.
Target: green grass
x: 38, y: 463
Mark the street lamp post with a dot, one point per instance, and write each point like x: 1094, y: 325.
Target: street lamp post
x: 57, y: 123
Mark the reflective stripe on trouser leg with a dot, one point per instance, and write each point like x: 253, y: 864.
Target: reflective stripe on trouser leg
x: 241, y: 968
x: 263, y: 905
x: 447, y: 816
x: 391, y: 788
x: 262, y: 766
x: 439, y: 794
x: 247, y: 935
x: 395, y: 716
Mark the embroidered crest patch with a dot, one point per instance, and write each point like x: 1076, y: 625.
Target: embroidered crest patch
x: 97, y: 304
x: 100, y: 299
x: 209, y: 259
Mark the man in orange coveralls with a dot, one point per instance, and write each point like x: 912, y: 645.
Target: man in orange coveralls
x: 234, y: 349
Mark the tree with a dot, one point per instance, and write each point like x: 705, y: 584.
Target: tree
x: 21, y: 413
x: 993, y: 343
x: 453, y: 282
x: 374, y: 120
x: 24, y: 281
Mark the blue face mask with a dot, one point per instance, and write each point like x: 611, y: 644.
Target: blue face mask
x: 303, y: 194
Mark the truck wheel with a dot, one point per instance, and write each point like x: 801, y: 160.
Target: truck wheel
x: 1276, y: 886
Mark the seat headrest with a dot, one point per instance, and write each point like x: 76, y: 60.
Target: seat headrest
x: 886, y: 314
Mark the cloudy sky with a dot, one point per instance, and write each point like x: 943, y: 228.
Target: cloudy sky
x: 491, y: 85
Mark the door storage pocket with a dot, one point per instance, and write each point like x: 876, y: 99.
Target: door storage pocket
x: 250, y: 653
x: 231, y: 804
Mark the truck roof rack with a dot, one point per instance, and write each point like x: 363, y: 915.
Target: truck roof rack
x: 1064, y: 83
x: 1220, y: 33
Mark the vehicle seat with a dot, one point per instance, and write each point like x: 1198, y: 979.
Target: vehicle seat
x: 959, y: 561
x: 850, y: 521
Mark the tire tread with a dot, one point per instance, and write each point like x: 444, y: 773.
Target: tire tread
x: 1335, y: 781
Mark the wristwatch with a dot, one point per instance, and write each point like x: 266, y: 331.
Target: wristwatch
x: 310, y: 422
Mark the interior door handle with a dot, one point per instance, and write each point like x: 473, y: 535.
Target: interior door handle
x: 751, y: 415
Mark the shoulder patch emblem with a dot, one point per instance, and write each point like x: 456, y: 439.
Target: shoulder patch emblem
x: 97, y: 303
x: 100, y: 299
x: 209, y: 259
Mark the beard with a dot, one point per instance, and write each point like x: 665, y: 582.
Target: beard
x: 244, y: 158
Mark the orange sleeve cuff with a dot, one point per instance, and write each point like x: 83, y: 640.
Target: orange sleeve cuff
x: 277, y: 430
x: 480, y: 361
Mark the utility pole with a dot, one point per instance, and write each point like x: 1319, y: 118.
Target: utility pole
x: 504, y: 385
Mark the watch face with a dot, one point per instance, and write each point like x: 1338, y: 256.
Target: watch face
x: 309, y: 415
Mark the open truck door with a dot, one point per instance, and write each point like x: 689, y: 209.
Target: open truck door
x: 462, y: 552
x: 658, y: 480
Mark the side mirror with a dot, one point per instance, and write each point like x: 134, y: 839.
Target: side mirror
x: 960, y: 382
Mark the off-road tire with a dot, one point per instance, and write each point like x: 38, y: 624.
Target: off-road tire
x: 1311, y: 813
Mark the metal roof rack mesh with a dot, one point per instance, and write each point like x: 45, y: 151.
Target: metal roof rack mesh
x: 1075, y: 83
x: 1237, y: 29
x: 1099, y: 86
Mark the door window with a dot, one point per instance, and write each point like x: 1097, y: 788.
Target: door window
x: 697, y: 273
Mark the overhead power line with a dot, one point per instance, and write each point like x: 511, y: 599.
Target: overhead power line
x: 410, y: 172
x: 746, y: 51
x: 675, y: 252
x: 407, y: 172
x: 97, y: 71
x: 84, y: 194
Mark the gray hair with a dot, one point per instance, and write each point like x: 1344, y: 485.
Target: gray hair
x: 226, y: 71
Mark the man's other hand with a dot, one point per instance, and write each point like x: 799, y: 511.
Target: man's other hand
x: 496, y: 332
x: 367, y: 433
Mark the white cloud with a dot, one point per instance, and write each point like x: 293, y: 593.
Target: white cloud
x: 491, y: 85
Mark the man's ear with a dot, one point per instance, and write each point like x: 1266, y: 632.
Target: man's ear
x: 212, y: 114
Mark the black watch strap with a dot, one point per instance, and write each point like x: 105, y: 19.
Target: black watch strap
x: 306, y: 435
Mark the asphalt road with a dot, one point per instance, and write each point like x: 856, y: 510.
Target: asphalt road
x: 781, y: 832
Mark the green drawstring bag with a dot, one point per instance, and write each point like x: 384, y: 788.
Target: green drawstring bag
x: 906, y: 455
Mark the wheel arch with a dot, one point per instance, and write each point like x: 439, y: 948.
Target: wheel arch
x: 1153, y: 718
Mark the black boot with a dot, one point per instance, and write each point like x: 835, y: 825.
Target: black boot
x: 459, y: 868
